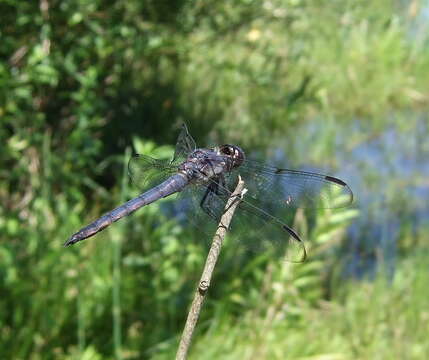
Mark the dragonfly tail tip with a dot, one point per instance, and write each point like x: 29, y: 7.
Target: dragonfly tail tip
x: 71, y: 241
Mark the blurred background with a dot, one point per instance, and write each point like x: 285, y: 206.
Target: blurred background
x: 340, y: 87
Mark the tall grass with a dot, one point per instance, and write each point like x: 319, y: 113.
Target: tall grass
x: 379, y: 319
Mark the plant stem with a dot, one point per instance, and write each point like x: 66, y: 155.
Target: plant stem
x: 204, y: 284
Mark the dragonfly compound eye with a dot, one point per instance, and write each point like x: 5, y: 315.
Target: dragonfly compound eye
x: 234, y: 152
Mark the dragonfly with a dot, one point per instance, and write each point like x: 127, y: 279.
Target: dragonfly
x: 204, y: 179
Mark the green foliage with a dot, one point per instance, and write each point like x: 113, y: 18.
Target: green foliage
x: 375, y: 320
x: 82, y: 81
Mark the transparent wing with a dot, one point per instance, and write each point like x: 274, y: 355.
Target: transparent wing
x: 252, y: 228
x: 146, y: 172
x: 184, y: 146
x: 292, y: 188
x: 187, y: 211
x: 260, y: 230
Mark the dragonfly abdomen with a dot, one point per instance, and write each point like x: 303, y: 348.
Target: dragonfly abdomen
x: 173, y: 184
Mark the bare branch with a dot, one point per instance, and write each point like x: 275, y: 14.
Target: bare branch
x: 197, y: 303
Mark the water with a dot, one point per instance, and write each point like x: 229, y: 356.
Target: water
x: 388, y: 173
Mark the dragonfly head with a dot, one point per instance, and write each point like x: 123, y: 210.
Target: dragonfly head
x: 233, y: 152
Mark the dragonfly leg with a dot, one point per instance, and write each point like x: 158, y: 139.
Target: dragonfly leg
x: 206, y: 200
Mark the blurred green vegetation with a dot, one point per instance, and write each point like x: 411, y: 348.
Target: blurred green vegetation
x: 84, y: 83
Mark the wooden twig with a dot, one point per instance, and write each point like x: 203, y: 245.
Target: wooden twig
x: 200, y: 294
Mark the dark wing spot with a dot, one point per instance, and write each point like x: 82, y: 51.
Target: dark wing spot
x: 292, y: 233
x: 335, y: 180
x: 298, y: 239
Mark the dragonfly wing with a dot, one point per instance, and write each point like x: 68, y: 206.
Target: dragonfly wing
x: 184, y: 146
x: 257, y: 230
x: 294, y: 189
x: 146, y: 171
x: 197, y: 205
x: 252, y: 228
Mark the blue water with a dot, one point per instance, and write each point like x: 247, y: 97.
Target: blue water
x: 388, y: 173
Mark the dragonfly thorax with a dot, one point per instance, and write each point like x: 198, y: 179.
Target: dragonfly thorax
x: 203, y: 165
